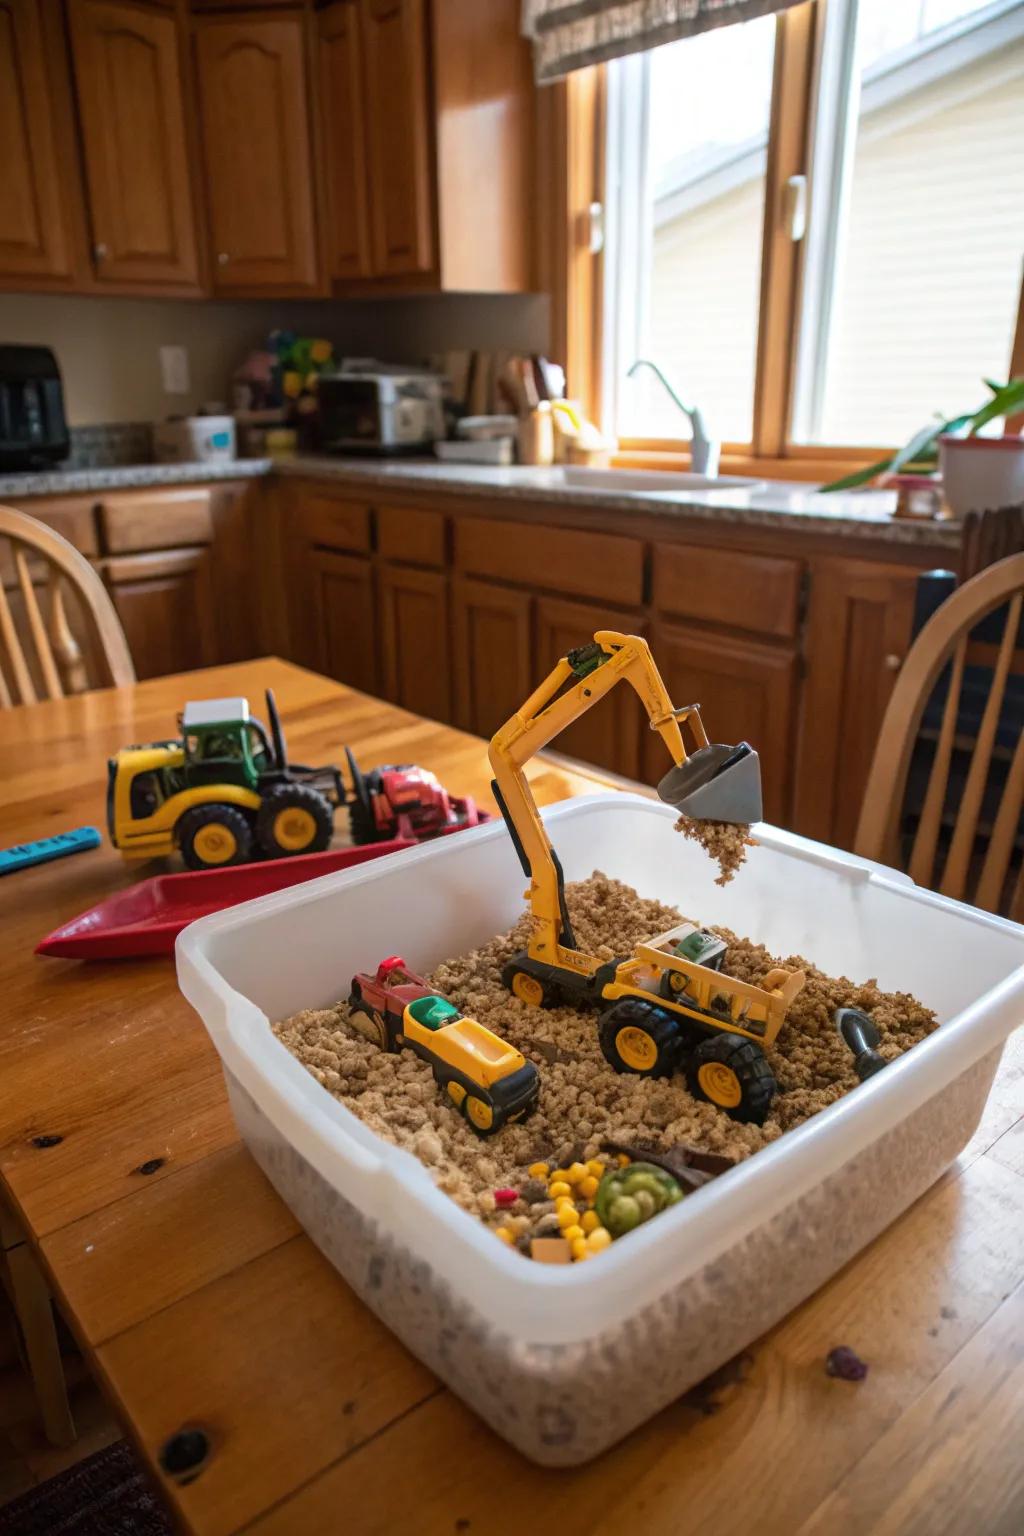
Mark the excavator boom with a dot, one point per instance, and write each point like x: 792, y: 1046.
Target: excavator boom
x: 712, y: 782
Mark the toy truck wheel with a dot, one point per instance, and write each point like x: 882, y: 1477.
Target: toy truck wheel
x: 732, y: 1074
x: 293, y: 819
x: 369, y: 1024
x: 530, y: 989
x: 213, y: 836
x: 482, y: 1117
x: 640, y: 1037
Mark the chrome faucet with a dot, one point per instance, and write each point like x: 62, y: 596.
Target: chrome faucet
x: 704, y: 453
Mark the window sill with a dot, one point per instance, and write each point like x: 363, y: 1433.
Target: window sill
x: 805, y: 464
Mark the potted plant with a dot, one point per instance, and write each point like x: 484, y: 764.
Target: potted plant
x: 977, y: 472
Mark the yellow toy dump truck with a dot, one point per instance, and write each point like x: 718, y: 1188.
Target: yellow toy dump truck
x: 486, y: 1078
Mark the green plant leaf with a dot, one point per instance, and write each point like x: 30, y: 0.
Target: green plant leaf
x: 1006, y: 401
x: 859, y: 477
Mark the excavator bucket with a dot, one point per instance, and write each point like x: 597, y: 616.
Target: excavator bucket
x: 716, y: 783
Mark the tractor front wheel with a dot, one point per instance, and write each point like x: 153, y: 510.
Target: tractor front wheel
x: 213, y: 836
x: 294, y: 818
x: 640, y: 1037
x: 732, y: 1074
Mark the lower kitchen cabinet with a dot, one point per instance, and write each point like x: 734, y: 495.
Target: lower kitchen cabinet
x: 609, y: 735
x: 493, y: 664
x: 747, y: 691
x: 859, y: 624
x: 165, y: 601
x: 416, y: 640
x: 340, y: 595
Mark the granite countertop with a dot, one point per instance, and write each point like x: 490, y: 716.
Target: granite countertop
x: 778, y: 505
x: 123, y: 477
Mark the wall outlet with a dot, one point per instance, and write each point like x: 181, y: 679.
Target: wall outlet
x: 174, y: 370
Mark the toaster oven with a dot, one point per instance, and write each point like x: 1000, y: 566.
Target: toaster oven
x: 33, y: 431
x: 379, y: 412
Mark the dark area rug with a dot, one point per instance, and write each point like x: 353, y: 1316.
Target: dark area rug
x: 105, y: 1495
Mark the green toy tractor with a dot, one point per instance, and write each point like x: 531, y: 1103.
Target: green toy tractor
x: 224, y: 792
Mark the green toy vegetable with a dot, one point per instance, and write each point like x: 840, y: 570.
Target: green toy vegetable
x: 626, y: 1197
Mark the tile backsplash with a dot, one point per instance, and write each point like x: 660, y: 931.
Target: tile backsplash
x: 110, y: 444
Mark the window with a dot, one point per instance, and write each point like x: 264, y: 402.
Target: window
x: 884, y: 283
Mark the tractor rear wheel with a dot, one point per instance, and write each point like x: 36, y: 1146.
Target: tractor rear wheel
x: 213, y: 836
x: 535, y: 991
x: 293, y: 818
x: 732, y: 1074
x: 640, y: 1037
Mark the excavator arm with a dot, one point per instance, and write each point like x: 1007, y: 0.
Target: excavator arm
x: 578, y: 682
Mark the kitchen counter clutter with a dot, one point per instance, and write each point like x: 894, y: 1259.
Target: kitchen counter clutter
x: 447, y: 588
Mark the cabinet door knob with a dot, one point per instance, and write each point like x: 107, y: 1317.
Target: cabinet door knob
x: 893, y: 662
x: 223, y: 258
x: 100, y: 252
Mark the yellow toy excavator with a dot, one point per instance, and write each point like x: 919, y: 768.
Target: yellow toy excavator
x: 672, y: 1007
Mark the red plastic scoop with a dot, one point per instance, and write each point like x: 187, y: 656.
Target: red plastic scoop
x: 145, y: 919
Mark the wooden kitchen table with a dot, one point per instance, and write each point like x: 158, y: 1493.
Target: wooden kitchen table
x: 201, y: 1304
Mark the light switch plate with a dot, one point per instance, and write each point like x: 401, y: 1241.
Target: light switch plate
x: 174, y: 370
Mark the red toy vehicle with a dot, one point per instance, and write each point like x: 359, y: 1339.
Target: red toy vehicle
x: 484, y: 1077
x: 401, y: 800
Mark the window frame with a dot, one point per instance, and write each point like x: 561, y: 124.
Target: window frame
x: 576, y: 278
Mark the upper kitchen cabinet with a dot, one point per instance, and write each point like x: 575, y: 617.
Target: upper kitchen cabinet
x: 257, y: 152
x: 426, y: 113
x: 398, y: 134
x: 347, y: 210
x: 128, y: 77
x: 37, y: 221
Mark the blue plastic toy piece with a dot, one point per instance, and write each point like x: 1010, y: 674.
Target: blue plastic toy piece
x: 22, y: 855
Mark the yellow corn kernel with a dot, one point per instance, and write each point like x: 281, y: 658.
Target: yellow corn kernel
x: 598, y: 1239
x: 590, y: 1221
x: 572, y: 1233
x: 595, y: 1167
x: 588, y: 1187
x: 559, y: 1173
x: 567, y: 1216
x: 623, y: 1160
x: 576, y: 1172
x: 558, y: 1187
x: 505, y: 1235
x: 579, y: 1249
x: 538, y: 1170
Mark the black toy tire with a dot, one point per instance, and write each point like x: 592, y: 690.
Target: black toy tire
x: 229, y: 816
x: 376, y: 1031
x: 547, y: 994
x: 496, y: 1122
x: 640, y: 1038
x: 300, y: 797
x: 746, y: 1061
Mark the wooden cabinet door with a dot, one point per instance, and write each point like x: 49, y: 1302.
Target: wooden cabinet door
x: 416, y: 640
x: 398, y: 133
x: 746, y: 691
x: 339, y: 591
x: 131, y: 104
x: 610, y: 734
x: 493, y: 653
x: 253, y: 95
x: 858, y: 629
x: 35, y: 229
x: 342, y: 109
x: 165, y: 603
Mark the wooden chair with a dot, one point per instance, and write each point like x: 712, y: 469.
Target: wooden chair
x: 967, y: 833
x: 46, y: 659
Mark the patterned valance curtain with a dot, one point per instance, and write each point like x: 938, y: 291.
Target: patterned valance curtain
x: 570, y: 34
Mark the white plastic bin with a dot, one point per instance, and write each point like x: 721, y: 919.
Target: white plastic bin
x: 563, y: 1361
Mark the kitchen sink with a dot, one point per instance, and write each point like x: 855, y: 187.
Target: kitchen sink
x: 645, y: 481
